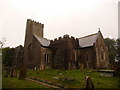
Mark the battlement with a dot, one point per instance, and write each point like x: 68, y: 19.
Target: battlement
x: 66, y: 36
x: 30, y: 21
x: 34, y: 27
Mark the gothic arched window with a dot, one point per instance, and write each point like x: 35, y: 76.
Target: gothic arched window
x: 75, y: 55
x: 102, y: 53
x: 31, y: 50
x: 48, y: 57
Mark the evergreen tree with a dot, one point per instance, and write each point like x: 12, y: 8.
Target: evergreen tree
x: 7, y: 56
x: 112, y: 49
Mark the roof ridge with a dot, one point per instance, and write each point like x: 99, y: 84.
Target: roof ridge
x: 41, y: 37
x: 45, y: 38
x: 88, y: 36
x: 42, y: 41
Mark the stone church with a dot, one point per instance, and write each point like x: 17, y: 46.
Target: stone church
x: 63, y: 52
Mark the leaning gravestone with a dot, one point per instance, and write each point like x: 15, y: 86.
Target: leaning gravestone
x: 22, y: 74
x: 14, y: 72
x: 88, y: 83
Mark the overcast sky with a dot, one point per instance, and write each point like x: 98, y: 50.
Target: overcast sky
x: 74, y: 17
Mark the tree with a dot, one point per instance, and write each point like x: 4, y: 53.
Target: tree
x: 2, y: 42
x: 7, y: 56
x: 118, y: 49
x: 112, y: 49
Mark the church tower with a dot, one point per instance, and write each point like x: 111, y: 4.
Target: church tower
x: 32, y: 48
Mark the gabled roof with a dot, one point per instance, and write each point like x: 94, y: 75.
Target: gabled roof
x: 42, y: 40
x: 88, y: 40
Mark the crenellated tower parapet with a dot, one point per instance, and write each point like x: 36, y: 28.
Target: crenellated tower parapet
x: 34, y: 27
x: 30, y: 21
x: 64, y: 38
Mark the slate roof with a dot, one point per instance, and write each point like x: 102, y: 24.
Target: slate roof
x: 88, y: 40
x: 42, y: 40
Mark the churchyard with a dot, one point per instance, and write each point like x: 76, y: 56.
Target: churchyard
x: 73, y: 57
x: 14, y: 82
x: 61, y: 78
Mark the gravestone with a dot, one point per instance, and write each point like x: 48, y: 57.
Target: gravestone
x: 107, y: 73
x: 14, y: 72
x: 22, y: 74
x: 5, y: 73
x: 88, y: 83
x: 81, y: 66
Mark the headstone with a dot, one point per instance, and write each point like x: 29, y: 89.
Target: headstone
x: 22, y: 74
x: 11, y: 72
x: 35, y: 68
x: 55, y: 78
x: 88, y: 83
x: 5, y: 73
x: 14, y: 72
x: 107, y: 73
x: 81, y: 66
x: 42, y: 67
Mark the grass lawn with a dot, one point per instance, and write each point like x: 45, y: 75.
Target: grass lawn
x: 78, y: 82
x: 13, y: 82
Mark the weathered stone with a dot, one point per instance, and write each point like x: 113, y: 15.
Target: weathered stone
x: 107, y: 73
x: 22, y: 74
x: 14, y: 72
x: 64, y: 53
x: 18, y: 57
x: 81, y: 66
x: 88, y: 82
x: 5, y: 73
x: 55, y: 78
